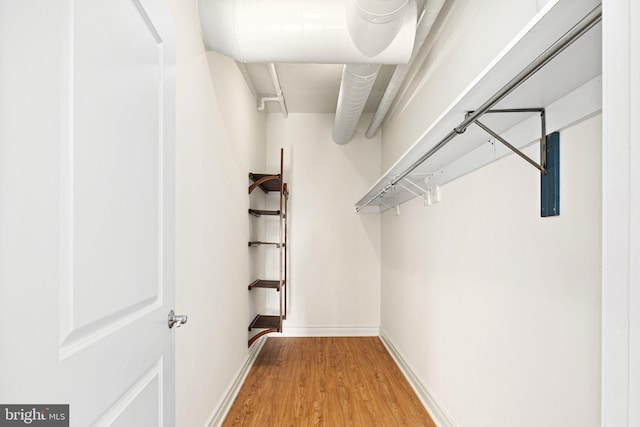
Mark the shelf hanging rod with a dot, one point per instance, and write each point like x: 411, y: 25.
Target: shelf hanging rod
x: 511, y: 110
x: 584, y: 25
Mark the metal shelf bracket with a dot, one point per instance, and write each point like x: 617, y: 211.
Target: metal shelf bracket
x: 543, y: 132
x: 549, y: 165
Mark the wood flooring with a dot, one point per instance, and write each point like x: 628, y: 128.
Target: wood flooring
x: 333, y: 382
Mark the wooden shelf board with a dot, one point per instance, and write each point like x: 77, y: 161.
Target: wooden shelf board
x: 266, y: 284
x: 262, y: 321
x: 259, y: 212
x: 271, y: 185
x: 258, y: 243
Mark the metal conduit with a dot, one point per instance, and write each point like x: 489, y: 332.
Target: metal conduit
x: 585, y: 24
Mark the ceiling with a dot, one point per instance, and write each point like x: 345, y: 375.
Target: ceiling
x: 308, y: 88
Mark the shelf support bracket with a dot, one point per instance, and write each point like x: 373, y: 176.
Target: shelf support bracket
x: 550, y: 182
x: 542, y: 166
x: 422, y: 190
x: 409, y: 190
x: 511, y: 147
x: 549, y: 166
x: 383, y: 203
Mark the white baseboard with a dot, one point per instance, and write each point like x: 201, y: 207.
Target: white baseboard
x: 435, y: 410
x: 219, y: 413
x: 329, y: 331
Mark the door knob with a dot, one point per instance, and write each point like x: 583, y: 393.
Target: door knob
x: 176, y: 319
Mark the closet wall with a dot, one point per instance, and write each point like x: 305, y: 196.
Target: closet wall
x: 334, y: 261
x: 496, y: 310
x: 220, y: 138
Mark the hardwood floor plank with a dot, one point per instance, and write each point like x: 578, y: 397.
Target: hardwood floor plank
x: 333, y: 382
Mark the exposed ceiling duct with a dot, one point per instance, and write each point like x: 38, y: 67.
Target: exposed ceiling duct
x: 310, y: 31
x: 374, y: 24
x: 383, y: 19
x: 430, y: 13
x: 357, y: 81
x: 354, y: 32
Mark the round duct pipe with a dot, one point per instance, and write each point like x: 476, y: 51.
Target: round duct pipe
x: 373, y: 24
x: 430, y: 13
x: 310, y: 31
x: 357, y: 82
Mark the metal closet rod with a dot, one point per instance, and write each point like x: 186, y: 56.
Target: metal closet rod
x: 585, y: 24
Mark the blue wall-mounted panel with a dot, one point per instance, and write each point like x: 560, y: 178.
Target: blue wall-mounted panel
x: 550, y: 182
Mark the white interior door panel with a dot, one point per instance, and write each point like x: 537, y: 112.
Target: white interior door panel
x: 86, y: 208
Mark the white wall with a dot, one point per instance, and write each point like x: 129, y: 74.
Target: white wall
x: 495, y: 309
x: 220, y: 138
x: 334, y: 259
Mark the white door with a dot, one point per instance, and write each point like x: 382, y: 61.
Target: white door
x: 86, y: 208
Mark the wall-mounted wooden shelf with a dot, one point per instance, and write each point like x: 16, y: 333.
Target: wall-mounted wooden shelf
x: 260, y: 212
x: 265, y: 322
x: 267, y: 183
x: 568, y: 88
x: 272, y: 183
x: 266, y: 284
x: 257, y: 243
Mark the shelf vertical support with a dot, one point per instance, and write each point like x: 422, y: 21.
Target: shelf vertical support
x: 550, y: 181
x: 281, y: 236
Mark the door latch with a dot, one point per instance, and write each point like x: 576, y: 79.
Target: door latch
x: 176, y: 320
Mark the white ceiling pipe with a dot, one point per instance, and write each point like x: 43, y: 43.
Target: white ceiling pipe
x: 278, y: 88
x: 265, y: 99
x: 309, y: 31
x: 357, y: 82
x: 431, y: 10
x: 373, y: 24
x: 279, y: 98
